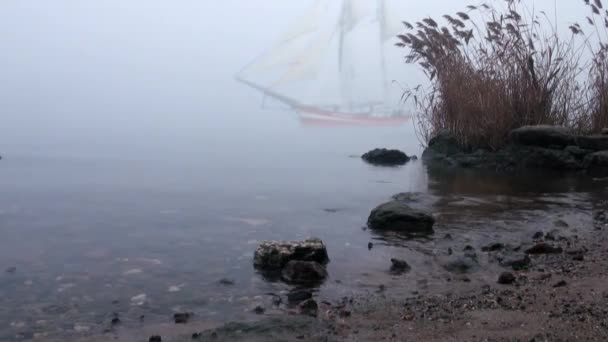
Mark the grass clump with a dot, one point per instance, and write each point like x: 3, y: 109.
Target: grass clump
x: 493, y: 68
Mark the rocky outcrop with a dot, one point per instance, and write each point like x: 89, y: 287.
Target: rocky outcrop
x: 593, y: 142
x: 597, y: 160
x: 274, y: 255
x: 542, y: 136
x: 531, y: 147
x: 398, y: 217
x: 384, y: 157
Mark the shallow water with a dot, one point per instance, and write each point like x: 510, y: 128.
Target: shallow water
x: 92, y: 237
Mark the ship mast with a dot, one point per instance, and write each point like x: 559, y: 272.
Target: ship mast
x: 383, y: 33
x: 345, y: 23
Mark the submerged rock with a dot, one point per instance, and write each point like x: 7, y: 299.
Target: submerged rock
x: 304, y: 272
x: 399, y: 266
x: 397, y: 216
x: 544, y: 248
x: 542, y: 136
x: 298, y: 296
x: 384, y: 157
x: 461, y: 264
x: 274, y: 255
x: 493, y: 247
x: 181, y: 317
x: 506, y: 278
x: 155, y: 338
x: 516, y: 262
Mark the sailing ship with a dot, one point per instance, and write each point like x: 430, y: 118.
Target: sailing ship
x: 330, y: 66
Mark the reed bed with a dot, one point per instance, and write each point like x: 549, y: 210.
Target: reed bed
x: 499, y: 66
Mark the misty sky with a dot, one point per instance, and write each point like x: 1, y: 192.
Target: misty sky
x: 102, y: 74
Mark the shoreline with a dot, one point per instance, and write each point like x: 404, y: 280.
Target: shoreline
x: 556, y: 297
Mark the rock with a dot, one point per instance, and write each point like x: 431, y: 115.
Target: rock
x: 516, y: 262
x: 115, y: 320
x: 544, y: 248
x: 560, y: 283
x: 577, y: 152
x: 442, y: 144
x: 304, y: 272
x: 554, y: 235
x: 11, y: 270
x: 593, y: 142
x: 561, y: 224
x: 493, y: 247
x: 545, y: 158
x: 298, y: 296
x: 274, y: 255
x: 155, y: 338
x: 542, y: 136
x: 399, y: 266
x: 397, y: 216
x: 461, y: 265
x: 182, y: 317
x: 596, y: 160
x: 309, y: 308
x: 370, y: 246
x: 538, y: 235
x: 259, y: 310
x: 604, y: 131
x: 226, y: 282
x: 384, y: 157
x: 506, y: 278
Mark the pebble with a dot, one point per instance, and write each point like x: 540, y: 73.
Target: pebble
x: 181, y: 317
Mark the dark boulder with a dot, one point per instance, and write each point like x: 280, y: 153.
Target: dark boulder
x: 444, y: 144
x: 593, y: 142
x: 597, y: 159
x: 544, y: 248
x: 604, y: 131
x: 307, y: 273
x: 545, y: 158
x: 181, y: 317
x: 155, y: 338
x: 384, y: 157
x: 506, y: 278
x: 274, y: 255
x: 397, y: 216
x: 399, y: 266
x: 577, y: 152
x: 542, y: 136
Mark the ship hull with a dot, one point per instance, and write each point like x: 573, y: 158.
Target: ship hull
x: 322, y: 117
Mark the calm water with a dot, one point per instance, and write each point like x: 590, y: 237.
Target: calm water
x: 137, y: 173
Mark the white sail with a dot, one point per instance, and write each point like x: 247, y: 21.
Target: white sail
x: 392, y: 18
x: 332, y: 57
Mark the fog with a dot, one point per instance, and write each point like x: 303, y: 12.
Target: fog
x: 149, y: 78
